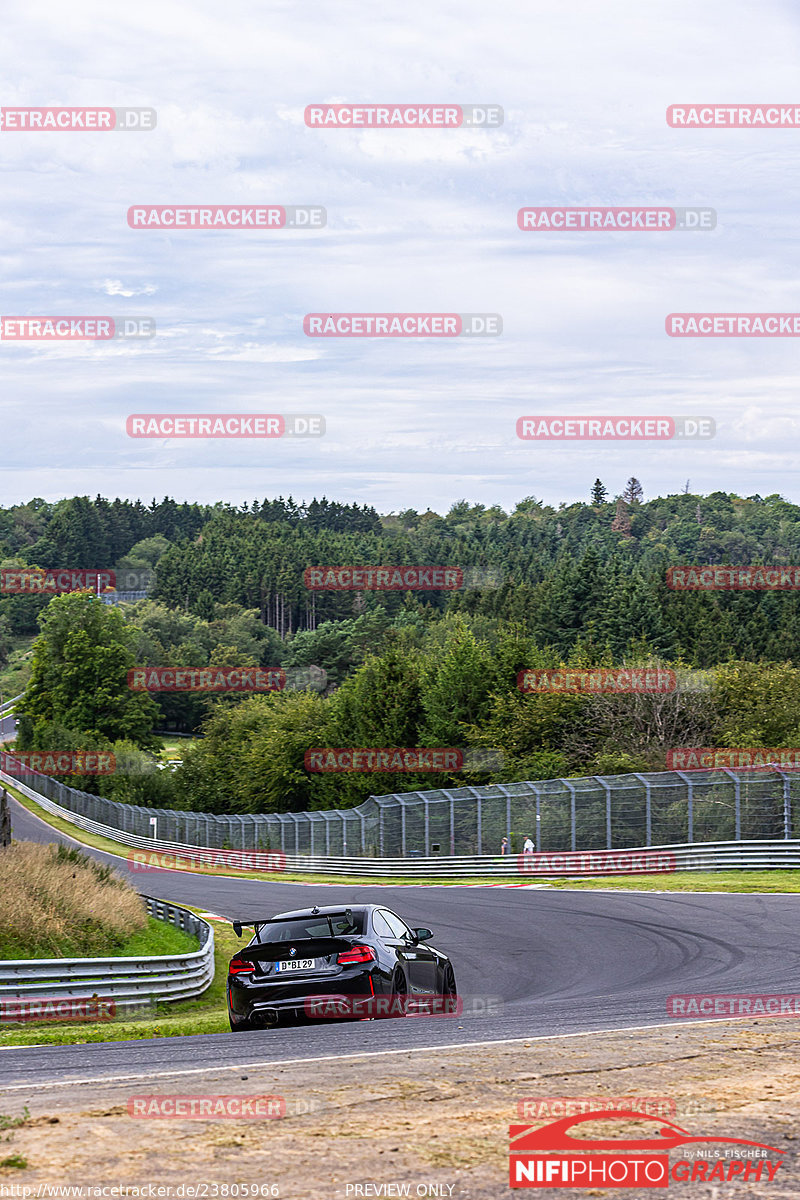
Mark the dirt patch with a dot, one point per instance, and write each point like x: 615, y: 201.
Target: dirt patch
x: 436, y: 1121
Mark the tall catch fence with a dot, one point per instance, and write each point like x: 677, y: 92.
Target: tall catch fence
x: 614, y: 812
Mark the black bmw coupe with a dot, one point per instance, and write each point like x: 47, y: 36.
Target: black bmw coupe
x: 334, y: 962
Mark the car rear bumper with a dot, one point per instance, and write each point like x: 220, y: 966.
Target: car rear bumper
x: 249, y: 1000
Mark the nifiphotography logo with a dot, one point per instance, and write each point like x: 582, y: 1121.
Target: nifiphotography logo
x: 554, y: 1156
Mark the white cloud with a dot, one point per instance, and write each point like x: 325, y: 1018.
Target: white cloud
x: 417, y: 221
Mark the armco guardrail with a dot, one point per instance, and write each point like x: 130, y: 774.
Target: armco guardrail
x: 9, y: 704
x: 154, y: 853
x: 130, y: 983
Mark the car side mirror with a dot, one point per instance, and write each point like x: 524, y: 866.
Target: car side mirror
x: 422, y: 935
x: 237, y: 928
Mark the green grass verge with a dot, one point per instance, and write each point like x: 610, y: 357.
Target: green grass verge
x: 206, y: 1014
x: 693, y: 881
x: 158, y: 937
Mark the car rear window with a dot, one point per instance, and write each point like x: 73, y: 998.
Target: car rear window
x: 299, y: 929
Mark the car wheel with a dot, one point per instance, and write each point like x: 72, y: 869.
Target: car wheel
x: 449, y: 990
x: 397, y: 996
x: 240, y: 1026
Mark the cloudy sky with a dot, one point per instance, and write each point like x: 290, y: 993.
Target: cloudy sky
x: 418, y: 221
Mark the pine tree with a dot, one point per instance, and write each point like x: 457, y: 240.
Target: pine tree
x: 622, y: 522
x: 599, y: 493
x: 633, y: 493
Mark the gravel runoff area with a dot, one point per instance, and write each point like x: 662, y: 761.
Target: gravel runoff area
x: 434, y: 1120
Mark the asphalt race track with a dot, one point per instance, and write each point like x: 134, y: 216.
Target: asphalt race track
x: 529, y: 963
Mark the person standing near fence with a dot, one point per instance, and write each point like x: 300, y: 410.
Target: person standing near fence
x: 504, y: 846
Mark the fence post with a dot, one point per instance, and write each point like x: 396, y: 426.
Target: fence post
x: 571, y: 789
x: 647, y: 806
x: 427, y: 828
x: 689, y: 805
x: 538, y: 834
x: 787, y: 808
x: 505, y: 792
x: 380, y: 829
x: 607, y: 786
x: 452, y: 825
x: 402, y: 826
x: 737, y: 802
x: 480, y: 827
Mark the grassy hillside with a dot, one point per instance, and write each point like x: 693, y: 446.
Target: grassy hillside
x: 57, y: 903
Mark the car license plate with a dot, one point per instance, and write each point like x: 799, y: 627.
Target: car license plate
x: 295, y: 964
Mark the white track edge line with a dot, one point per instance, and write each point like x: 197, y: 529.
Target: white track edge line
x: 293, y: 1062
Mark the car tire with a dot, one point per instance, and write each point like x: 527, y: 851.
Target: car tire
x: 241, y: 1026
x: 399, y: 988
x: 449, y: 990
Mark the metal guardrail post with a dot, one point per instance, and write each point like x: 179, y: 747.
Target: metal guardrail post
x: 380, y: 829
x: 452, y: 826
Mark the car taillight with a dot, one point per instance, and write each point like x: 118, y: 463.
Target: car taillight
x: 241, y: 966
x: 357, y: 954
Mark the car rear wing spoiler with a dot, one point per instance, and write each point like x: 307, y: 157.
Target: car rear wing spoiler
x: 238, y: 926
